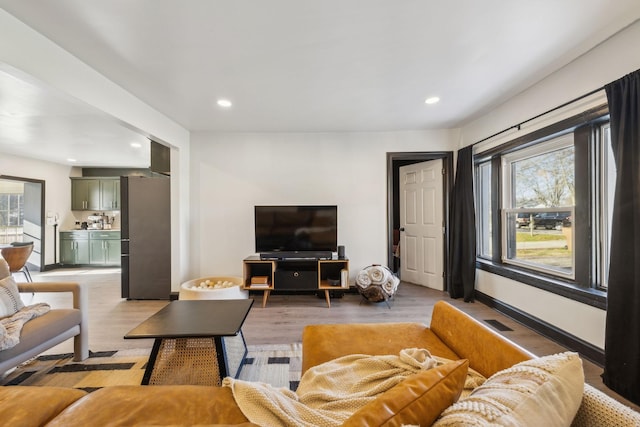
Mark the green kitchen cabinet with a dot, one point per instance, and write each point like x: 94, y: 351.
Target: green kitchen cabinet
x: 110, y: 194
x: 92, y: 247
x: 95, y: 194
x: 85, y: 194
x: 104, y: 247
x: 74, y: 247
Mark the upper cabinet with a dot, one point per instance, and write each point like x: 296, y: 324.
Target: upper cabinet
x: 95, y: 194
x: 110, y: 194
x: 85, y: 194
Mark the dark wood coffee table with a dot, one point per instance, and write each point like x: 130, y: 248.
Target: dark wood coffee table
x: 196, y: 341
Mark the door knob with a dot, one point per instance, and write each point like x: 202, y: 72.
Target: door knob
x: 401, y: 228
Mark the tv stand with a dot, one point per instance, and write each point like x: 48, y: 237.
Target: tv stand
x: 295, y: 274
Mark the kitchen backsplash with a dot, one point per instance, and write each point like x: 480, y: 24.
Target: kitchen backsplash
x: 83, y: 216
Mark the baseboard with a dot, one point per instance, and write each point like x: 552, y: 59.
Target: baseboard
x: 573, y: 343
x: 49, y: 267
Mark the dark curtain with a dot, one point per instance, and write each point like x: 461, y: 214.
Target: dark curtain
x: 622, y: 336
x: 463, y: 229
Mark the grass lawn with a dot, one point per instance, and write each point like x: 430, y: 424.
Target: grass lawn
x: 543, y: 253
x: 527, y: 237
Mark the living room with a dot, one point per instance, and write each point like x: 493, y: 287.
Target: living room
x: 220, y: 175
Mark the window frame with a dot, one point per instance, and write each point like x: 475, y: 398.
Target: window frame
x: 584, y: 286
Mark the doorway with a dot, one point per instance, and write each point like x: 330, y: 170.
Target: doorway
x: 22, y: 215
x: 395, y: 161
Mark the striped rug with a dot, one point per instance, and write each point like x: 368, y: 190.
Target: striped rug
x: 277, y: 364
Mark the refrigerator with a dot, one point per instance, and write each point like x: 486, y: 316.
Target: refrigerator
x: 146, y: 237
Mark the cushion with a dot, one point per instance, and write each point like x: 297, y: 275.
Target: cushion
x: 15, y: 244
x: 417, y: 400
x: 329, y: 341
x: 159, y: 405
x: 545, y: 391
x: 10, y: 301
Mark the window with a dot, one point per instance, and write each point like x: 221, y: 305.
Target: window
x: 544, y: 207
x: 538, y: 204
x: 11, y: 216
x: 483, y: 185
x: 608, y: 184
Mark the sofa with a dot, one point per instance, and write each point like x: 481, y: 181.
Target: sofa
x: 50, y: 329
x: 418, y: 400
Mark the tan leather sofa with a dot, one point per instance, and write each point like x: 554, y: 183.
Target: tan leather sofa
x: 452, y: 334
x: 54, y: 327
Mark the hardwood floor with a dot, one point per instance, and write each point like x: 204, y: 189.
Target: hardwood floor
x: 282, y: 320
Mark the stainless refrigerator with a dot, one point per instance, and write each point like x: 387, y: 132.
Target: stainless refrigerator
x: 146, y: 237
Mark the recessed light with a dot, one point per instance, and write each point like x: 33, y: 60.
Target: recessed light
x: 136, y: 145
x: 432, y: 100
x: 71, y: 160
x: 225, y: 103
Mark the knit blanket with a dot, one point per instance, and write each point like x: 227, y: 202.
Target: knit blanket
x: 11, y: 327
x: 329, y: 393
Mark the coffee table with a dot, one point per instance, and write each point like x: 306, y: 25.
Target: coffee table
x: 196, y: 341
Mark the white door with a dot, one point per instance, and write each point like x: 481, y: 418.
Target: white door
x: 421, y: 224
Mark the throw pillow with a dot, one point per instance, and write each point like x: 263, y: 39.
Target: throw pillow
x: 10, y: 301
x: 545, y: 391
x: 417, y: 400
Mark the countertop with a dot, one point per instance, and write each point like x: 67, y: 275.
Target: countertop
x: 90, y: 229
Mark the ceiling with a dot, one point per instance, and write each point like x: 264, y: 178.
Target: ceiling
x: 292, y: 65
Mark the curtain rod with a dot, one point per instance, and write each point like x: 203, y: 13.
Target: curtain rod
x: 539, y: 115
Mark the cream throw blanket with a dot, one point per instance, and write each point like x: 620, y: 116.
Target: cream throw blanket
x: 10, y: 327
x: 329, y: 393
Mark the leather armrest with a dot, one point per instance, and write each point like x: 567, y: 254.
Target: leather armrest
x: 487, y: 351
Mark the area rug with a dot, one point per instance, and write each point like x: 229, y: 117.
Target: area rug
x: 277, y: 364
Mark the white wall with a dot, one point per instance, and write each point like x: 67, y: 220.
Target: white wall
x: 605, y: 63
x: 233, y: 172
x: 609, y: 61
x: 57, y: 190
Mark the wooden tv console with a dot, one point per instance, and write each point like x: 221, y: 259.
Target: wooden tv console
x: 295, y: 275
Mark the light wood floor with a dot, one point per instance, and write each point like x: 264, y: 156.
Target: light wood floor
x: 282, y: 320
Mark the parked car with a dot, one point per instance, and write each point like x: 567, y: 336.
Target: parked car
x: 551, y: 220
x: 523, y: 220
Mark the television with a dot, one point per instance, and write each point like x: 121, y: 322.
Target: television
x: 296, y: 231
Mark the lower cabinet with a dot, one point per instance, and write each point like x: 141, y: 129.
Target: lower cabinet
x: 74, y: 247
x: 104, y: 247
x: 99, y: 248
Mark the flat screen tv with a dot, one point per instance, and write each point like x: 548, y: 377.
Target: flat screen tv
x: 284, y: 231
